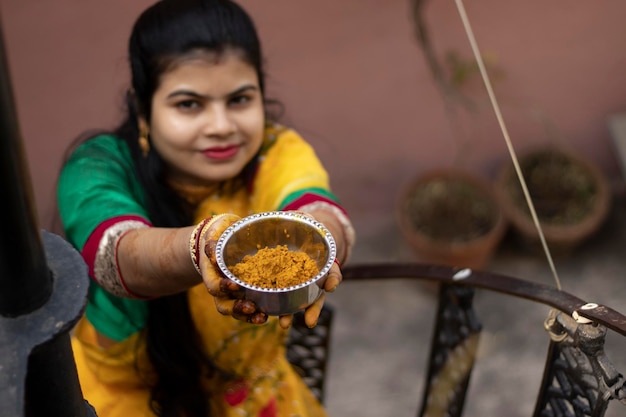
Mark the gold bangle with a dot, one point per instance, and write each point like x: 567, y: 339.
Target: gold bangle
x: 196, y: 237
x: 194, y: 243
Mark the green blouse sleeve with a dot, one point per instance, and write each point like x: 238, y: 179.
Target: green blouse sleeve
x: 96, y: 184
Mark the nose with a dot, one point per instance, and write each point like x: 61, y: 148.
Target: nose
x: 220, y: 122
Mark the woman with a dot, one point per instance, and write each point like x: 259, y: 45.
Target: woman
x: 197, y: 150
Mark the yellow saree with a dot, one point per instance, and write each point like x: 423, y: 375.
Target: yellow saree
x: 254, y: 377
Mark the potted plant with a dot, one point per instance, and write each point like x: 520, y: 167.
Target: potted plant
x: 571, y: 197
x: 451, y: 217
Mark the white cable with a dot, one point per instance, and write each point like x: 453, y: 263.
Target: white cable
x: 496, y: 108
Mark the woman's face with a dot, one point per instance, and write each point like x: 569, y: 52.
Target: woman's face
x: 207, y: 117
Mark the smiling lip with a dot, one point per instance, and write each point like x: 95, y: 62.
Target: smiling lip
x: 221, y: 153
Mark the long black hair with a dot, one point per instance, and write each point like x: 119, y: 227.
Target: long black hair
x: 164, y: 33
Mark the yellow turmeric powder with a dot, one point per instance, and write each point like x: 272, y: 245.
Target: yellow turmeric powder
x: 276, y: 267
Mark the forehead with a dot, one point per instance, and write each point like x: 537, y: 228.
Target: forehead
x: 168, y: 64
x: 208, y: 78
x: 203, y: 67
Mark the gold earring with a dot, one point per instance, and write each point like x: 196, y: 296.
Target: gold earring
x: 144, y: 144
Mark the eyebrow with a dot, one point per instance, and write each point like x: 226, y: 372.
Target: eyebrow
x: 194, y: 94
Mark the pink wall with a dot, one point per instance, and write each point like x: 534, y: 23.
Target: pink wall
x: 353, y: 80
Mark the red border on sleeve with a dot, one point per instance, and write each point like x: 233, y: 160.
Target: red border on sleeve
x: 91, y: 246
x: 308, y: 198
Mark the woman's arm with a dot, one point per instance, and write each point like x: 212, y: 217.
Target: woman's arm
x: 154, y: 261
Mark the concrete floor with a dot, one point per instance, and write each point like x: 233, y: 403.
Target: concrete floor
x: 382, y: 330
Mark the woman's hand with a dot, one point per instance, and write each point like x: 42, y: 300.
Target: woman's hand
x: 228, y: 295
x: 312, y: 312
x: 334, y: 278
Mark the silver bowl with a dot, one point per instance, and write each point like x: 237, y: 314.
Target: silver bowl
x: 270, y: 229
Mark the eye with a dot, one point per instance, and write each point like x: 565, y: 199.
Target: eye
x: 188, y: 105
x: 240, y: 100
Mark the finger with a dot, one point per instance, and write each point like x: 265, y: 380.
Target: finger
x: 212, y: 280
x: 225, y: 306
x: 285, y: 321
x: 215, y: 228
x: 218, y: 286
x: 257, y: 318
x: 254, y: 318
x: 334, y: 278
x: 312, y: 313
x: 229, y: 287
x: 235, y: 307
x: 243, y: 310
x: 209, y: 249
x: 212, y: 276
x: 244, y: 307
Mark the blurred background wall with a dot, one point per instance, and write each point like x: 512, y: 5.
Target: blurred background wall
x: 354, y: 82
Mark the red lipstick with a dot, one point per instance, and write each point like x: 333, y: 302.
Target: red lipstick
x: 221, y: 153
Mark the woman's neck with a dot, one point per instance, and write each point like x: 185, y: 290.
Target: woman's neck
x: 193, y: 193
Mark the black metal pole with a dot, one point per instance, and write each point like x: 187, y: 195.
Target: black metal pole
x: 25, y: 282
x: 52, y: 387
x: 43, y: 287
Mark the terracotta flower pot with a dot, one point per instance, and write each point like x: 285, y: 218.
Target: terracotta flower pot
x: 571, y: 198
x: 451, y: 217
